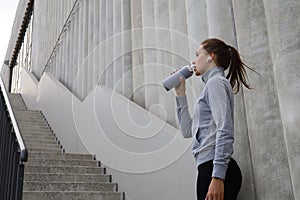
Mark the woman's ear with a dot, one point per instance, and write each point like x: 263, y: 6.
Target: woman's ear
x: 212, y: 55
x: 209, y: 59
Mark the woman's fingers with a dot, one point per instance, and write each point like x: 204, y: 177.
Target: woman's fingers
x: 175, y: 70
x: 181, y: 80
x: 215, y: 190
x: 213, y: 197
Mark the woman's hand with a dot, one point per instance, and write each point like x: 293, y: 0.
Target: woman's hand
x: 215, y: 190
x: 180, y: 89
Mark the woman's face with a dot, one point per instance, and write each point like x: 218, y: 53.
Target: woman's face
x: 201, y: 61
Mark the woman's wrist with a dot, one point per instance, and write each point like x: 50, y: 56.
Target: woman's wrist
x: 217, y: 178
x: 180, y: 93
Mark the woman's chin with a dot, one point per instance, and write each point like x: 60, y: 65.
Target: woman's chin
x: 197, y: 73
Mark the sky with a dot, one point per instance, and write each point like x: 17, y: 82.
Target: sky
x: 7, y: 14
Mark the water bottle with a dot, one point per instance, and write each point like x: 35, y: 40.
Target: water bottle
x: 173, y: 80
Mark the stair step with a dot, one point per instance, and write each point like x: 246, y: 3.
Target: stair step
x: 39, y: 145
x: 74, y: 195
x: 35, y: 133
x: 34, y: 126
x: 17, y: 101
x: 38, y: 121
x: 42, y: 136
x: 28, y: 130
x: 41, y: 121
x: 68, y: 186
x: 24, y: 120
x: 49, y: 155
x: 55, y: 150
x: 63, y: 169
x: 92, y: 163
x: 67, y: 177
x: 28, y: 117
x: 29, y: 113
x: 38, y: 137
x: 37, y: 141
x: 34, y: 129
x: 35, y: 123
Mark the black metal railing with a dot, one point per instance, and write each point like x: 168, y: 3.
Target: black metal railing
x: 13, y: 152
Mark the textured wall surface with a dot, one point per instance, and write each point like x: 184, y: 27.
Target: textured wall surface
x: 131, y: 45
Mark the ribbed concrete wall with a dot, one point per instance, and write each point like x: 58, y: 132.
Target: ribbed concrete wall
x: 264, y: 122
x: 130, y: 45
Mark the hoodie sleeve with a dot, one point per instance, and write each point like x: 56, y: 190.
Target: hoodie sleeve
x: 184, y: 118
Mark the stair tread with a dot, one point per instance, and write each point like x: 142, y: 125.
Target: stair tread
x: 37, y: 140
x: 42, y: 142
x: 29, y: 165
x: 65, y: 169
x: 58, y: 156
x: 42, y: 145
x: 70, y: 154
x: 75, y: 195
x: 43, y: 149
x: 66, y: 154
x: 33, y: 149
x: 69, y: 186
x: 40, y: 148
x: 66, y: 174
x: 81, y: 174
x: 61, y: 182
x: 90, y: 191
x: 46, y: 159
x: 63, y: 162
x: 38, y: 136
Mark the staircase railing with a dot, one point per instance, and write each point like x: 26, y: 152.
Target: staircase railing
x: 13, y: 152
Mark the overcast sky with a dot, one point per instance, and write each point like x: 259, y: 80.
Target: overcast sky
x: 7, y: 14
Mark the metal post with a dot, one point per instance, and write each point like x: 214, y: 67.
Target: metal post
x: 10, y: 78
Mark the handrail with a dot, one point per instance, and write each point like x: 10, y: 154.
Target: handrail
x: 60, y: 34
x: 20, y: 39
x: 23, y: 150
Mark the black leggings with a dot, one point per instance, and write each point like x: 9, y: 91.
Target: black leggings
x: 232, y: 183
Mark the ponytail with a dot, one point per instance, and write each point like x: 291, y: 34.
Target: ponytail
x: 228, y: 57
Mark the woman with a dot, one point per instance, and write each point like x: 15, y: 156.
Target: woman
x: 212, y: 126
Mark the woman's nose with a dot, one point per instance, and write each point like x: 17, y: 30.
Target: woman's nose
x: 193, y: 62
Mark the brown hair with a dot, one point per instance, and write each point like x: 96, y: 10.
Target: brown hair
x: 228, y: 56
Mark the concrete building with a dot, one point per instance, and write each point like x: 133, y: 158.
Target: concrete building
x: 94, y: 68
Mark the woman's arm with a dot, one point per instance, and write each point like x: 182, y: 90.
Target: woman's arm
x: 220, y: 100
x: 184, y: 118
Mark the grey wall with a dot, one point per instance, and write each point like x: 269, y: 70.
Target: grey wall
x: 269, y: 134
x: 130, y: 45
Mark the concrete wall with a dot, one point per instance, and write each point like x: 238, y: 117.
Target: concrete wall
x: 130, y: 45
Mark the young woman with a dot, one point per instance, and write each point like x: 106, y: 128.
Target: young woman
x: 212, y: 126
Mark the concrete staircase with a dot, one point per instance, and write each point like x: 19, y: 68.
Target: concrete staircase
x: 50, y: 173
